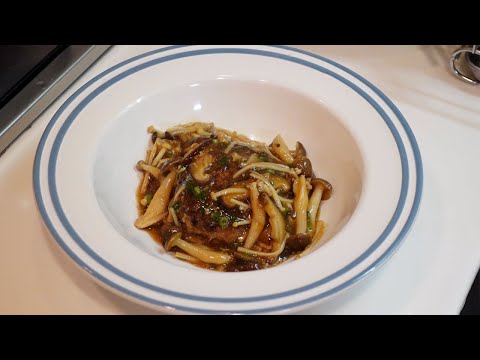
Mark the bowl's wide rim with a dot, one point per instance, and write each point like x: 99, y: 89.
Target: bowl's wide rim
x: 347, y: 283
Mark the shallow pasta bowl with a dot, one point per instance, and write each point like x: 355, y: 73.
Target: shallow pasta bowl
x: 85, y: 178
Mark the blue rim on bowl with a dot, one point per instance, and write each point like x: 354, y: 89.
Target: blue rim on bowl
x: 82, y: 244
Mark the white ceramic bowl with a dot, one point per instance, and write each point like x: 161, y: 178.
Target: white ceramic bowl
x: 85, y: 179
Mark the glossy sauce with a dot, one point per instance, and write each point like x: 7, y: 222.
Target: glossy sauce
x: 199, y: 214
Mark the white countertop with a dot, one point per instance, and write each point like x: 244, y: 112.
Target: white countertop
x: 432, y: 271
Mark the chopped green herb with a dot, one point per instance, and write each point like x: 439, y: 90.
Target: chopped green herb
x: 215, y: 141
x: 169, y: 153
x: 309, y: 222
x: 285, y: 212
x: 189, y: 185
x: 215, y: 215
x: 198, y: 193
x: 148, y: 197
x: 176, y: 206
x: 202, y: 210
x: 223, y: 160
x: 223, y: 221
x: 263, y: 156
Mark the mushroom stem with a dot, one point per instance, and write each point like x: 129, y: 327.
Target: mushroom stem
x: 207, y: 256
x: 258, y: 218
x: 266, y: 165
x: 275, y: 253
x: 146, y: 176
x: 158, y: 206
x: 319, y: 231
x: 227, y: 191
x: 277, y: 222
x: 300, y: 204
x: 313, y: 206
x: 279, y: 182
x: 159, y: 156
x: 270, y: 189
x: 281, y: 150
x: 141, y: 165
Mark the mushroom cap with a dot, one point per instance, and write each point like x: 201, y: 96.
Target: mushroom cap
x: 300, y: 149
x: 201, y: 145
x: 299, y: 242
x: 199, y: 166
x: 199, y: 140
x: 167, y: 166
x: 304, y: 164
x: 169, y: 136
x: 327, y: 187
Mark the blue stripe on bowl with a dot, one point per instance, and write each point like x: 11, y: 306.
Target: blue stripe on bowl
x: 76, y: 111
x: 82, y: 244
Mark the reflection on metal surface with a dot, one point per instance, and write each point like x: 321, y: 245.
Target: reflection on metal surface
x: 20, y: 112
x: 468, y: 49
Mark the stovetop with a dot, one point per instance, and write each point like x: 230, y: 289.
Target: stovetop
x: 20, y: 63
x: 32, y: 77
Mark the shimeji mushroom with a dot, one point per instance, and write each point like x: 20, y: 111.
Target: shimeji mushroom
x: 300, y: 204
x: 276, y: 220
x: 202, y: 254
x: 301, y: 161
x: 281, y: 150
x: 266, y: 165
x: 197, y: 147
x: 199, y: 167
x: 141, y: 165
x: 322, y: 190
x: 300, y: 149
x: 170, y: 164
x: 304, y: 164
x: 258, y: 217
x: 156, y: 211
x: 298, y: 242
x: 231, y: 200
x: 279, y: 182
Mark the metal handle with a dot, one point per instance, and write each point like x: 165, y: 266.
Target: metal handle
x: 455, y: 55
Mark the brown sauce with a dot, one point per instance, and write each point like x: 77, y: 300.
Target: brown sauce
x: 204, y: 221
